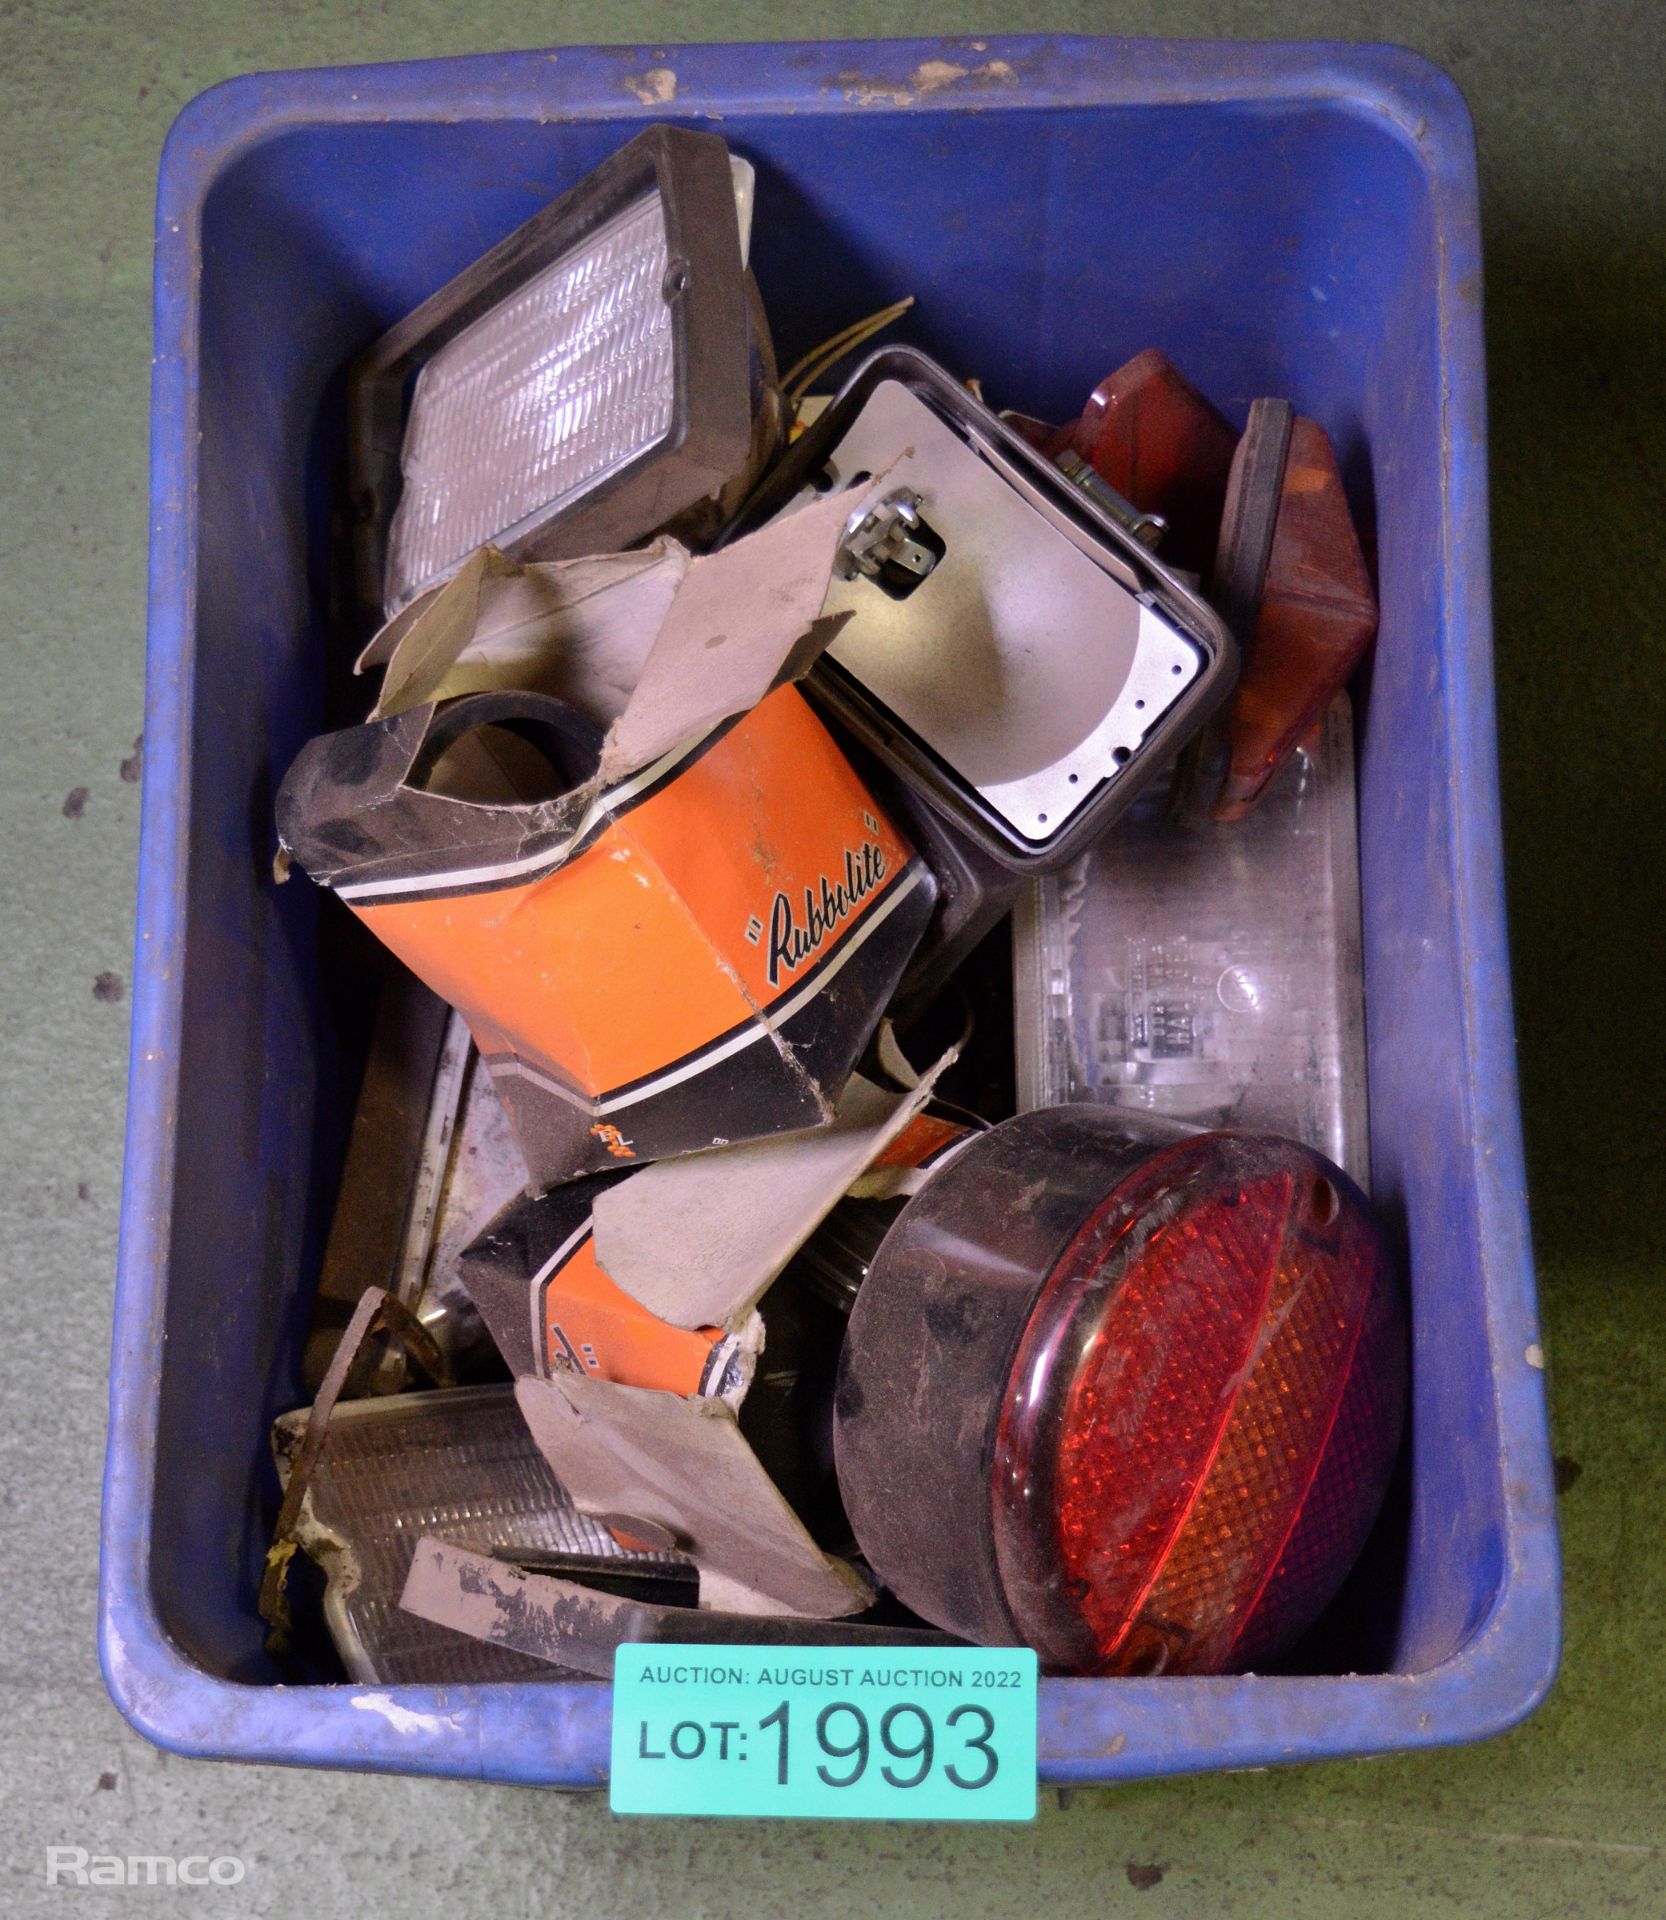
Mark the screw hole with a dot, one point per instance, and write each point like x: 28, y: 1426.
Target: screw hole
x: 1140, y: 704
x: 1074, y: 778
x: 675, y: 283
x: 1177, y: 668
x: 1042, y: 818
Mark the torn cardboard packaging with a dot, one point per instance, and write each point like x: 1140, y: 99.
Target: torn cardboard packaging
x: 661, y: 1471
x: 652, y: 1279
x: 628, y: 1307
x: 552, y: 1307
x: 522, y: 1613
x: 592, y: 812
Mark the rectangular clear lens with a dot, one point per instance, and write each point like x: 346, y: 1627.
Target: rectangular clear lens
x: 1209, y: 973
x: 458, y: 1464
x: 540, y: 400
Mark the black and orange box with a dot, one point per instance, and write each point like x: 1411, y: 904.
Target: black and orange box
x: 693, y: 956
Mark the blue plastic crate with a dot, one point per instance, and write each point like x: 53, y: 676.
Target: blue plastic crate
x: 1280, y: 219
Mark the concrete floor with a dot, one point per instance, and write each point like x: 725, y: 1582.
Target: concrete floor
x: 1565, y: 1816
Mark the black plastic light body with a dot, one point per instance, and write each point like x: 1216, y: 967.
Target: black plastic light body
x: 721, y: 410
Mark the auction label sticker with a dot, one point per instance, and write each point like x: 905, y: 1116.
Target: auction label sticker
x: 841, y: 1733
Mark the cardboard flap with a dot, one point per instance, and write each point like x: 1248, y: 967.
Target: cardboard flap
x: 657, y: 644
x: 682, y: 1467
x: 699, y: 1240
x: 578, y: 629
x: 734, y: 631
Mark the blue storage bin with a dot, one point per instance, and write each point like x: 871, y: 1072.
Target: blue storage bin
x: 1280, y: 219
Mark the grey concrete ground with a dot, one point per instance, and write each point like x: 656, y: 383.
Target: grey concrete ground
x: 1566, y: 1816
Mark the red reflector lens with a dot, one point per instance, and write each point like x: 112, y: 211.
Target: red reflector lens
x: 1202, y: 1415
x: 1126, y: 1393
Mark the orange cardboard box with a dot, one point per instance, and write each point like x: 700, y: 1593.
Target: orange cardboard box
x: 669, y: 937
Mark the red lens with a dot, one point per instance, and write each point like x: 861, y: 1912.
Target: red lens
x: 1202, y: 1415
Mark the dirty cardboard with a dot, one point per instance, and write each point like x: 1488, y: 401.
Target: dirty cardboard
x: 543, y: 1617
x: 635, y: 1295
x: 652, y: 1278
x: 699, y: 1240
x: 681, y: 1469
x: 687, y: 949
x: 534, y: 1276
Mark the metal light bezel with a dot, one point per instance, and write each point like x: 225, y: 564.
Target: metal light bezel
x: 715, y: 324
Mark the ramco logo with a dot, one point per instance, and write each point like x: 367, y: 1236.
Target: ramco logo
x: 792, y: 941
x: 76, y: 1867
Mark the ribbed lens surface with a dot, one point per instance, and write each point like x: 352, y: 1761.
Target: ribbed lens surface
x: 1203, y: 1414
x: 557, y: 387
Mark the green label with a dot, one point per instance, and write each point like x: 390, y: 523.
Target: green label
x: 842, y: 1733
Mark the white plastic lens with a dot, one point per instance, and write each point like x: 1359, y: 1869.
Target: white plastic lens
x: 559, y: 386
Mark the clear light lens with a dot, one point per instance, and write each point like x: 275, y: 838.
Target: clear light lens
x: 1210, y: 973
x: 559, y: 386
x: 459, y: 1464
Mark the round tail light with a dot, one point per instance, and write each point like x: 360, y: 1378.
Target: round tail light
x: 1128, y: 1395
